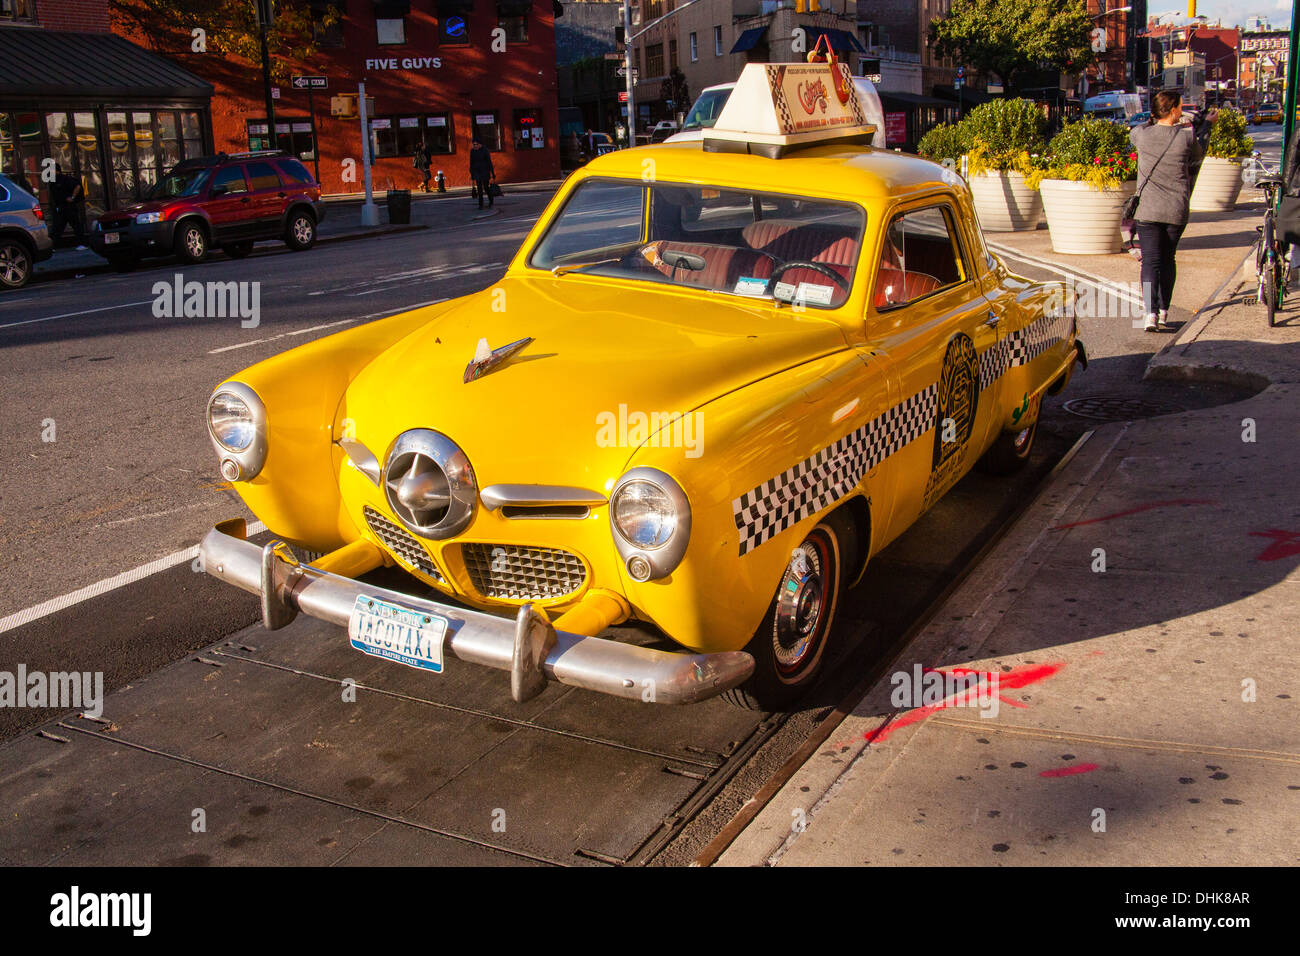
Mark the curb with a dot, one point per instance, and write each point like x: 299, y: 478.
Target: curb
x: 1169, y: 365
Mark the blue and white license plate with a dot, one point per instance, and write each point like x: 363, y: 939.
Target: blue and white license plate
x: 396, y: 633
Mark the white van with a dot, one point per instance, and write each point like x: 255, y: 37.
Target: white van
x: 704, y: 113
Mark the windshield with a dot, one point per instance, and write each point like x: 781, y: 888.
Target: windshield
x: 706, y: 109
x: 753, y: 244
x: 180, y: 182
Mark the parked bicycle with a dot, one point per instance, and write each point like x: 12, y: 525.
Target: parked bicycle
x: 1272, y: 254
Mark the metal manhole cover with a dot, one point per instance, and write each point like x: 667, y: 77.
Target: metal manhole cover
x: 1106, y: 408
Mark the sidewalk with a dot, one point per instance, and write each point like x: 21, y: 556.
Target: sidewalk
x: 1146, y: 713
x: 342, y: 223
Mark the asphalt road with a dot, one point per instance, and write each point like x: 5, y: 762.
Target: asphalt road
x: 251, y: 725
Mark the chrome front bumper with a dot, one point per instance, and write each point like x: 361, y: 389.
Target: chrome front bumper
x: 528, y: 646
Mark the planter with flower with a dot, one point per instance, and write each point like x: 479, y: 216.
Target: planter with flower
x: 1089, y: 173
x: 1005, y: 136
x: 1219, y: 181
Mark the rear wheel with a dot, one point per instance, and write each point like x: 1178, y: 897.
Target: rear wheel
x: 191, y: 243
x: 1009, y: 452
x: 238, y: 250
x: 300, y: 234
x: 789, y: 646
x: 16, y: 264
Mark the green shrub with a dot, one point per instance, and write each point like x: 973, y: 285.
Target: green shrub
x: 1006, y: 128
x: 945, y: 141
x: 1228, y: 139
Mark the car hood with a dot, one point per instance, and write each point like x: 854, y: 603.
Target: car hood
x: 562, y: 410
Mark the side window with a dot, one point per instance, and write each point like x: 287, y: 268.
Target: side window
x: 920, y: 255
x: 232, y: 177
x: 262, y: 176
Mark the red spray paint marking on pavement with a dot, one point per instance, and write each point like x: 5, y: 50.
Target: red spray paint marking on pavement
x: 1140, y: 508
x: 1014, y: 680
x: 1285, y: 545
x: 1070, y: 771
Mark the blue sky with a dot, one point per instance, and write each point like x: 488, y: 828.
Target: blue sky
x: 1231, y: 11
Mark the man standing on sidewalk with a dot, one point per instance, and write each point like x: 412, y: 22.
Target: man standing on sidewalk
x: 482, y: 172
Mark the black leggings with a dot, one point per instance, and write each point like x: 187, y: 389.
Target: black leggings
x: 1159, y: 243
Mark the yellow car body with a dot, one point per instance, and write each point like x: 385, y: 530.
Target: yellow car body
x: 867, y: 411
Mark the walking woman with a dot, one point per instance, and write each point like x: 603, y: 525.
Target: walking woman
x: 1169, y: 155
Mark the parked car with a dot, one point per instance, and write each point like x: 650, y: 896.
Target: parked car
x: 229, y: 200
x: 1267, y: 113
x: 707, y: 423
x: 24, y: 236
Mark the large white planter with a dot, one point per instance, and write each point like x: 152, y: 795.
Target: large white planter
x: 1217, y: 185
x: 1084, y: 221
x: 1004, y: 203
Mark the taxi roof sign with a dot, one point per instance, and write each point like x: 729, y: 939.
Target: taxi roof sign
x: 779, y: 107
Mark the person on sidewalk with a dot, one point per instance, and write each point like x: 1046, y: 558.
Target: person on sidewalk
x: 423, y: 161
x: 67, y: 199
x: 1168, y: 151
x: 482, y: 172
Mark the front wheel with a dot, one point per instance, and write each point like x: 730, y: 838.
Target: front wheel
x: 790, y: 643
x: 1009, y: 452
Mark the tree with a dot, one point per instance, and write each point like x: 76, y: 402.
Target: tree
x: 1008, y: 38
x: 229, y: 27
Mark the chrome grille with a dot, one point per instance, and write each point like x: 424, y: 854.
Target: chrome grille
x: 510, y: 571
x: 401, y: 542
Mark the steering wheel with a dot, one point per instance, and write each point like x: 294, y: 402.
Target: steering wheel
x: 817, y: 267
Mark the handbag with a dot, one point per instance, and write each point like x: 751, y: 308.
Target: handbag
x: 1131, y: 206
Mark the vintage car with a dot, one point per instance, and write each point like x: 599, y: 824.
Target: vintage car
x: 715, y: 380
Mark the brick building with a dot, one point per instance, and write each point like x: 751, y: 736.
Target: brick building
x: 446, y: 71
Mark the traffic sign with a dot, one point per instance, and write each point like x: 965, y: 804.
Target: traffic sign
x: 310, y: 82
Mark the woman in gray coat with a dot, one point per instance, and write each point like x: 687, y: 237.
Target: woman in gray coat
x: 1169, y: 155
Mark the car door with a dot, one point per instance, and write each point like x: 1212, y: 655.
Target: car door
x: 228, y: 205
x: 268, y: 198
x: 928, y: 315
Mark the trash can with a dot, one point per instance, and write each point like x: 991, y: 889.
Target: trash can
x: 399, y: 207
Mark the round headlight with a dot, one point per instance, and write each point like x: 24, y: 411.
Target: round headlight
x: 644, y: 515
x: 231, y: 421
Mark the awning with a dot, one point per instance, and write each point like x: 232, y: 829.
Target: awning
x: 841, y: 41
x: 52, y: 63
x: 749, y: 39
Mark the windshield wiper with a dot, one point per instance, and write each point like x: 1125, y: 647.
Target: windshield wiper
x: 566, y: 269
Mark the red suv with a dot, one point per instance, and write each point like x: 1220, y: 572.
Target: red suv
x: 231, y: 201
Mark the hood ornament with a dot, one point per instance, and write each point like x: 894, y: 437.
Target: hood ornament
x: 487, y: 358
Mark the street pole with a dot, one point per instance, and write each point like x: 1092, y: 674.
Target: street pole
x: 263, y: 24
x: 627, y: 67
x: 369, y: 211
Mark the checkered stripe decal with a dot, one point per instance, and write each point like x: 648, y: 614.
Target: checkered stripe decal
x: 818, y: 482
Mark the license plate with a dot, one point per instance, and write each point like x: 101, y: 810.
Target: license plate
x: 110, y: 238
x: 397, y: 633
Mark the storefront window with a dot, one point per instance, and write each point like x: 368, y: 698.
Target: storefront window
x: 512, y: 16
x: 487, y: 130
x: 438, y: 133
x: 529, y: 132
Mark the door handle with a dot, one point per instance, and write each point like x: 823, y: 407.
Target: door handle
x: 993, y: 319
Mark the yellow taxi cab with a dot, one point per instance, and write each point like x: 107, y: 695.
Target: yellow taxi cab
x: 715, y: 380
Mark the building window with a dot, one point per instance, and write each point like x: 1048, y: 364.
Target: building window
x: 512, y: 16
x: 453, y: 27
x: 654, y: 59
x: 18, y: 11
x: 717, y: 41
x: 390, y: 32
x: 437, y: 133
x: 529, y: 131
x: 695, y: 48
x: 327, y: 23
x: 487, y: 130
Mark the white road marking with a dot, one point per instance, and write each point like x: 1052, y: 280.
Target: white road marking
x: 64, y: 601
x: 69, y: 315
x: 282, y: 335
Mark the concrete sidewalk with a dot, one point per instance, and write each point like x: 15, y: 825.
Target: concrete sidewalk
x: 1136, y: 629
